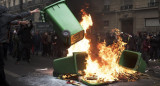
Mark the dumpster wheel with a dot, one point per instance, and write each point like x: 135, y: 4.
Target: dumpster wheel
x: 66, y: 33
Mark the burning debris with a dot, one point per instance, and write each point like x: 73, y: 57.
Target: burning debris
x: 103, y: 66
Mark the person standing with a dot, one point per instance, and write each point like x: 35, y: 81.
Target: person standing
x: 25, y: 38
x: 36, y: 42
x: 145, y: 50
x: 54, y: 45
x: 154, y: 48
x: 45, y: 44
x: 5, y: 20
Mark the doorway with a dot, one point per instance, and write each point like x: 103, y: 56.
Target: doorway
x: 127, y: 26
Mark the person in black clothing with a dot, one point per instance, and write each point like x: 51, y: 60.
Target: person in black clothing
x: 54, y: 44
x: 15, y: 44
x: 158, y: 43
x: 59, y: 48
x: 154, y: 48
x: 110, y: 38
x: 45, y: 43
x: 132, y: 42
x: 10, y: 45
x: 145, y: 49
x: 36, y: 42
x: 5, y: 49
x: 5, y: 20
x: 25, y: 38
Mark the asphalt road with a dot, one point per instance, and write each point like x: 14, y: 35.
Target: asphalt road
x: 39, y: 73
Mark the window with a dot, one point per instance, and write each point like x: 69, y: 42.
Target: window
x: 106, y: 8
x: 152, y: 0
x: 107, y: 2
x: 127, y: 4
x: 106, y: 5
x: 152, y: 22
x: 106, y: 23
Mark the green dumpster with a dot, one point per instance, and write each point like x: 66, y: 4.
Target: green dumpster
x: 132, y: 60
x: 64, y: 22
x: 70, y: 65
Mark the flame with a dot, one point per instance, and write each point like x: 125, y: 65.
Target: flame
x: 83, y: 45
x: 107, y: 69
x: 86, y: 20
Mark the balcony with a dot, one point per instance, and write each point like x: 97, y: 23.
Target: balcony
x: 153, y: 4
x: 126, y: 7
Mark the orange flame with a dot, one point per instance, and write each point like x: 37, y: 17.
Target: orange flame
x: 83, y: 45
x: 110, y: 69
x: 107, y: 69
x: 86, y: 20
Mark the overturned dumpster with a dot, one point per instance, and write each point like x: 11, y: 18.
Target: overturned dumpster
x: 132, y: 60
x: 70, y: 65
x: 64, y: 22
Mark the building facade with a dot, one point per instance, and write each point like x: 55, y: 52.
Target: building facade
x: 130, y: 16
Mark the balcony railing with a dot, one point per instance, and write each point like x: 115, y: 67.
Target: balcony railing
x: 153, y: 4
x: 126, y: 7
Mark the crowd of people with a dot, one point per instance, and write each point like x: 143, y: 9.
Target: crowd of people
x: 147, y: 43
x: 23, y: 44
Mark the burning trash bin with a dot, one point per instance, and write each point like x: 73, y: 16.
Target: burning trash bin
x: 132, y: 60
x: 64, y: 22
x: 70, y: 65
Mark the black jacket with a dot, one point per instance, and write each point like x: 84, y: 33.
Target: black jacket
x: 24, y: 34
x: 5, y: 21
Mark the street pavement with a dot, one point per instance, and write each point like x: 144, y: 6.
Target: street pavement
x: 39, y: 73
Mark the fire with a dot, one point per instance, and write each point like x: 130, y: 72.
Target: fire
x: 105, y: 67
x: 86, y: 20
x: 83, y: 45
x: 109, y: 69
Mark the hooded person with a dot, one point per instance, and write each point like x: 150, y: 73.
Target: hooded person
x: 6, y: 20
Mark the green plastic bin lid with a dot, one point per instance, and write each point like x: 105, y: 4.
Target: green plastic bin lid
x: 61, y: 1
